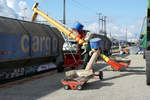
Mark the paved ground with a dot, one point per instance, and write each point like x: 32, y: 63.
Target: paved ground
x: 126, y: 85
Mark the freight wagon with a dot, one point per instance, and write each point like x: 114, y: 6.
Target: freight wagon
x: 25, y: 46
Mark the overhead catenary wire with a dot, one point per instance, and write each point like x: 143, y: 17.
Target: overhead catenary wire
x: 84, y: 6
x: 75, y: 4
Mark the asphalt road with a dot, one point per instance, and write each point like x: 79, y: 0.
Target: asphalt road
x: 134, y: 49
x: 126, y: 85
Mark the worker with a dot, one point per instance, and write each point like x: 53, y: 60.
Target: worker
x: 86, y: 51
x: 79, y: 49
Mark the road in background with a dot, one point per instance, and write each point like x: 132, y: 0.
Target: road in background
x: 134, y: 50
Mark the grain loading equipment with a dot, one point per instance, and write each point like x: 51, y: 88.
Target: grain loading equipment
x: 73, y: 35
x: 70, y: 33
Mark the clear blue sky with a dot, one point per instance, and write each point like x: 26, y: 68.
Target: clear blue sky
x: 124, y: 11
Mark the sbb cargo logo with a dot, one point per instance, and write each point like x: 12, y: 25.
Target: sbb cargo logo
x: 38, y: 43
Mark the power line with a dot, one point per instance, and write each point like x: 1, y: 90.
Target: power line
x: 84, y: 6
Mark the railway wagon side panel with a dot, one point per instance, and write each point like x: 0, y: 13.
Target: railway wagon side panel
x: 19, y: 39
x: 39, y: 40
x: 10, y: 39
x: 12, y: 47
x: 24, y: 45
x: 57, y: 40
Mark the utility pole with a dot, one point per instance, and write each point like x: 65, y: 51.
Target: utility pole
x: 102, y: 19
x: 105, y: 26
x: 110, y: 34
x: 99, y: 19
x: 24, y: 16
x: 64, y: 12
x: 126, y: 34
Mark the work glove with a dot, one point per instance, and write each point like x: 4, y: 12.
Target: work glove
x: 91, y: 53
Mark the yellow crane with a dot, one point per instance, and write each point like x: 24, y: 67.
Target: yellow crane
x: 55, y: 23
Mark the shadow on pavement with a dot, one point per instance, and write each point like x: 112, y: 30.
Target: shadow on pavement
x: 99, y: 66
x: 136, y: 67
x: 119, y: 55
x: 131, y: 70
x: 96, y: 85
x: 122, y: 75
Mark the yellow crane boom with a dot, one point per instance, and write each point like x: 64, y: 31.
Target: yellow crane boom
x: 55, y: 23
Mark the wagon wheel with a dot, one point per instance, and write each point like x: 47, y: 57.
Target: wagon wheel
x: 66, y: 87
x: 100, y: 75
x: 79, y: 87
